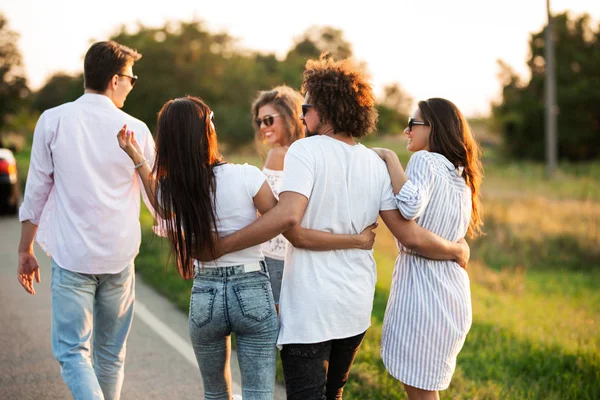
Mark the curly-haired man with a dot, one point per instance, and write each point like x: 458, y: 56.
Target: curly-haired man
x: 334, y: 184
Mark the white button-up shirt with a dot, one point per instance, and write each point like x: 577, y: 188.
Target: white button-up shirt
x: 82, y: 190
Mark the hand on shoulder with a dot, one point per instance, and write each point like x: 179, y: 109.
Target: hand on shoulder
x: 383, y: 153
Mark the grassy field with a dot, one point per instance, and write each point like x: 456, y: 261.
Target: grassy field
x: 535, y: 288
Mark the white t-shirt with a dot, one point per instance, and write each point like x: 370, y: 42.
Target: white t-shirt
x: 328, y: 295
x: 236, y: 187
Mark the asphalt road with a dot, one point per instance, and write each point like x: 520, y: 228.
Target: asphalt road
x: 160, y: 361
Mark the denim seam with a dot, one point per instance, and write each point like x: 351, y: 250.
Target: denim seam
x: 225, y: 305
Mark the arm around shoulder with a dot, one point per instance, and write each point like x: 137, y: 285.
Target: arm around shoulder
x: 421, y: 241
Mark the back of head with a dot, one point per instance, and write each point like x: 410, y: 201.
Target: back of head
x: 342, y: 95
x: 103, y: 60
x: 288, y: 104
x: 452, y: 137
x: 186, y: 154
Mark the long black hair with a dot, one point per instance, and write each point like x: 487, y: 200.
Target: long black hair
x: 186, y: 155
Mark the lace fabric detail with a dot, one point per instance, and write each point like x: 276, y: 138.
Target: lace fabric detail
x: 276, y: 247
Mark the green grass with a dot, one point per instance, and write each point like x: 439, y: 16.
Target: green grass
x: 535, y: 287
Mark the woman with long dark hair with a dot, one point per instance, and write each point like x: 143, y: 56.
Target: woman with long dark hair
x: 428, y: 314
x: 202, y: 198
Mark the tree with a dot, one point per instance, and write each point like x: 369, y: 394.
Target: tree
x: 311, y: 44
x: 521, y: 111
x: 184, y: 58
x: 13, y: 87
x: 59, y: 89
x: 394, y: 109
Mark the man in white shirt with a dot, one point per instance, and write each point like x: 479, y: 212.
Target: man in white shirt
x: 82, y: 199
x: 332, y: 184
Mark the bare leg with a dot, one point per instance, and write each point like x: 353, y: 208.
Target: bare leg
x: 420, y: 394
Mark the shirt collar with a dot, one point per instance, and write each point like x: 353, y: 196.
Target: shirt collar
x: 451, y: 166
x: 94, y: 98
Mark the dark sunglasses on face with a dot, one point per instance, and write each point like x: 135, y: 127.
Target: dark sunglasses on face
x: 268, y: 120
x: 412, y: 122
x: 305, y: 108
x: 132, y: 79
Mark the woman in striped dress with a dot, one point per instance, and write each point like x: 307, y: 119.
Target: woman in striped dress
x: 428, y: 313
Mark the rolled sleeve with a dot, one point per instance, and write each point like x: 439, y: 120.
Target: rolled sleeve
x: 40, y: 178
x: 416, y: 192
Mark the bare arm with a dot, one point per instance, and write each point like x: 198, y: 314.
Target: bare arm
x: 284, y: 215
x: 130, y: 146
x: 316, y: 240
x: 28, y: 268
x: 275, y: 158
x: 422, y: 241
x: 397, y: 174
x: 313, y: 239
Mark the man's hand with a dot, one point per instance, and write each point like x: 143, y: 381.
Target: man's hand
x: 367, y: 237
x: 465, y: 254
x: 28, y: 269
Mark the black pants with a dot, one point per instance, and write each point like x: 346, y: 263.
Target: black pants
x: 318, y: 371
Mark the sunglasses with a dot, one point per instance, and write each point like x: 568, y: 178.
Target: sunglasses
x: 132, y: 79
x: 268, y: 120
x: 305, y: 108
x: 412, y: 122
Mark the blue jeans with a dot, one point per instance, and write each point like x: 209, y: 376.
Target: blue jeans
x: 82, y: 304
x: 275, y: 268
x: 226, y: 300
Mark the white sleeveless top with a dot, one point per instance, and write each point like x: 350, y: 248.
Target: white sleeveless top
x: 276, y: 247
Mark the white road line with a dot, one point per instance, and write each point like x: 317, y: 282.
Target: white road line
x: 172, y: 338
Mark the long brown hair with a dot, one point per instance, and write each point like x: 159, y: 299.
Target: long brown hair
x: 452, y: 137
x: 186, y: 155
x: 288, y: 104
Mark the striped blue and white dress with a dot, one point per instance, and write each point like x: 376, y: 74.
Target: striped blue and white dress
x: 428, y: 313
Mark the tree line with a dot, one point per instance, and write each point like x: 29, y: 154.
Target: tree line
x: 520, y: 113
x: 182, y: 58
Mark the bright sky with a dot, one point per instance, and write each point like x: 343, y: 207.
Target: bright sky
x: 433, y: 48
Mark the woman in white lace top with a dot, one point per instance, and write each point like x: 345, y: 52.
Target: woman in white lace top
x: 277, y: 125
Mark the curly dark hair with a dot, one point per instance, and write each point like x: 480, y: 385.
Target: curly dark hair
x: 342, y: 95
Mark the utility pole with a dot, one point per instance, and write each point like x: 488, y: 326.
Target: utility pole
x: 550, y: 98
